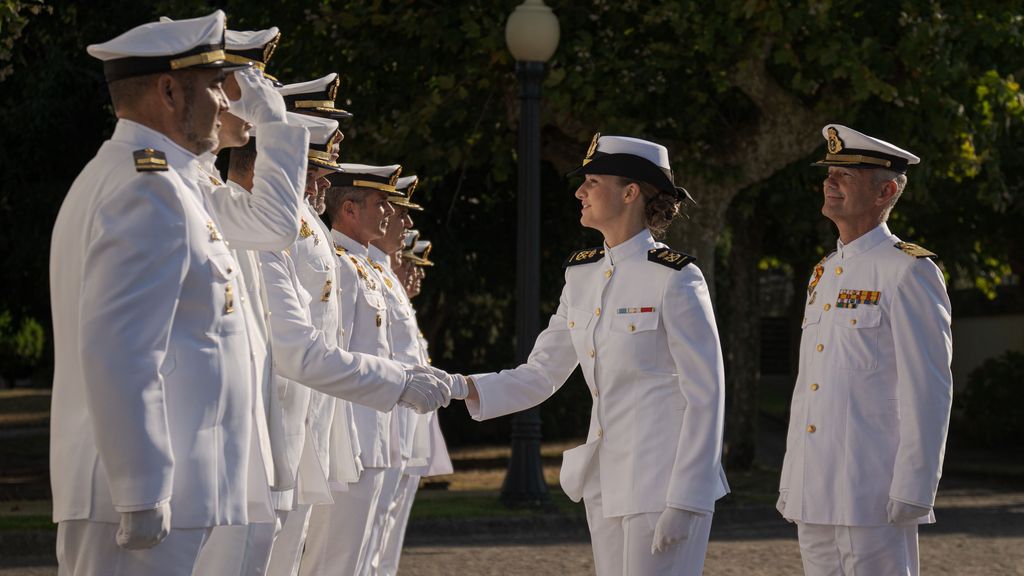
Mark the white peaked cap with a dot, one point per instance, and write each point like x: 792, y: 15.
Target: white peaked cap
x: 309, y: 86
x: 654, y: 153
x: 631, y: 158
x: 368, y: 176
x: 321, y: 130
x: 164, y: 46
x: 848, y: 147
x: 249, y: 39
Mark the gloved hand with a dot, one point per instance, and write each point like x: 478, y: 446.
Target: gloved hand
x: 456, y: 382
x: 901, y: 512
x: 260, y: 102
x: 145, y: 528
x: 673, y: 527
x: 781, y: 505
x: 424, y: 392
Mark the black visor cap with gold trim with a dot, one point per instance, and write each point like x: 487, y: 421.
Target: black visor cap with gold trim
x: 207, y: 56
x: 320, y: 103
x: 854, y: 158
x: 364, y: 180
x: 634, y: 168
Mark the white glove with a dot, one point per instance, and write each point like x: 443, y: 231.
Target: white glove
x: 673, y: 527
x: 781, y: 505
x: 145, y: 528
x: 902, y: 513
x: 424, y: 392
x: 260, y: 102
x: 456, y: 382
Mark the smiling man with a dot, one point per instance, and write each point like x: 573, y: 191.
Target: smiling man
x: 870, y: 411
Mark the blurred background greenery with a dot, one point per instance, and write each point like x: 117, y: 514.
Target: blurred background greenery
x: 738, y: 91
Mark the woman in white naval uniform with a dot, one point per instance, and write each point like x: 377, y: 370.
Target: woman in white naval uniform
x: 637, y: 317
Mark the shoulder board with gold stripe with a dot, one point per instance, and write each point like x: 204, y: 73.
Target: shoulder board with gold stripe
x: 915, y: 250
x: 150, y: 160
x: 669, y: 257
x: 584, y: 257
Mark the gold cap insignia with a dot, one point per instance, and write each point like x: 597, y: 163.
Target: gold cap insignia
x: 270, y: 47
x: 835, y: 143
x: 394, y: 177
x: 592, y: 149
x: 332, y: 92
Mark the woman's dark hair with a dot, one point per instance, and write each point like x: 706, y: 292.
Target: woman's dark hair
x: 660, y: 208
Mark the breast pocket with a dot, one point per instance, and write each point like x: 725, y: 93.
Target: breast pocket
x: 578, y: 322
x: 227, y: 294
x: 856, y: 333
x: 637, y: 334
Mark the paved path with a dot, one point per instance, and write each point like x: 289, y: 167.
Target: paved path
x: 980, y: 533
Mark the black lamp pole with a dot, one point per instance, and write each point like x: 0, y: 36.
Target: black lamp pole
x: 524, y: 483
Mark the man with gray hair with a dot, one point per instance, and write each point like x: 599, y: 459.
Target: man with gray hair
x: 870, y: 411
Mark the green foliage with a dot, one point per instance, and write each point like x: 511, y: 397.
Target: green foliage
x: 433, y: 88
x: 14, y: 15
x: 992, y: 404
x: 21, y: 345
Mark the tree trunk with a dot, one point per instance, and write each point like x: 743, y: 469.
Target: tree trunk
x: 743, y: 341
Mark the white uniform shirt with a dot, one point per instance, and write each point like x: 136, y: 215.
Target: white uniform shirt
x: 871, y: 406
x: 644, y: 334
x: 429, y: 440
x: 364, y: 318
x: 152, y: 397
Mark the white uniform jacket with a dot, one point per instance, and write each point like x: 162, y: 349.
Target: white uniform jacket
x: 364, y: 319
x: 871, y: 406
x: 152, y: 395
x: 404, y: 342
x: 638, y: 320
x: 305, y: 359
x: 428, y: 439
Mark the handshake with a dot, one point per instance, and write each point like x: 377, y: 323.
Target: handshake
x: 427, y: 388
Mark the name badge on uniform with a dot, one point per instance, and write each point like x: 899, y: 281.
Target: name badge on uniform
x: 853, y: 298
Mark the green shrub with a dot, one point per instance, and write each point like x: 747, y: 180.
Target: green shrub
x: 21, y: 346
x: 993, y: 403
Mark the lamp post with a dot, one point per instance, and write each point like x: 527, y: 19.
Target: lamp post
x: 532, y: 36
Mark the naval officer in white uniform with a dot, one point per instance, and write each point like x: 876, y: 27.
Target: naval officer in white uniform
x: 152, y: 402
x: 636, y: 316
x: 870, y: 410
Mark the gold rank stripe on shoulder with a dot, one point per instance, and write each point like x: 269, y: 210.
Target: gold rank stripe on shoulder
x: 669, y: 257
x: 584, y: 257
x: 150, y: 160
x: 915, y: 250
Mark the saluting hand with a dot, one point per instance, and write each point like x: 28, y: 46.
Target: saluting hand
x: 260, y: 102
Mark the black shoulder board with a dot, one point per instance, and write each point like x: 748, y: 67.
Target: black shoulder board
x: 150, y: 160
x: 915, y: 250
x: 669, y: 257
x: 584, y: 257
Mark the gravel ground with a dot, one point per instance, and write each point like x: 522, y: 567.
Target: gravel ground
x: 980, y: 532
